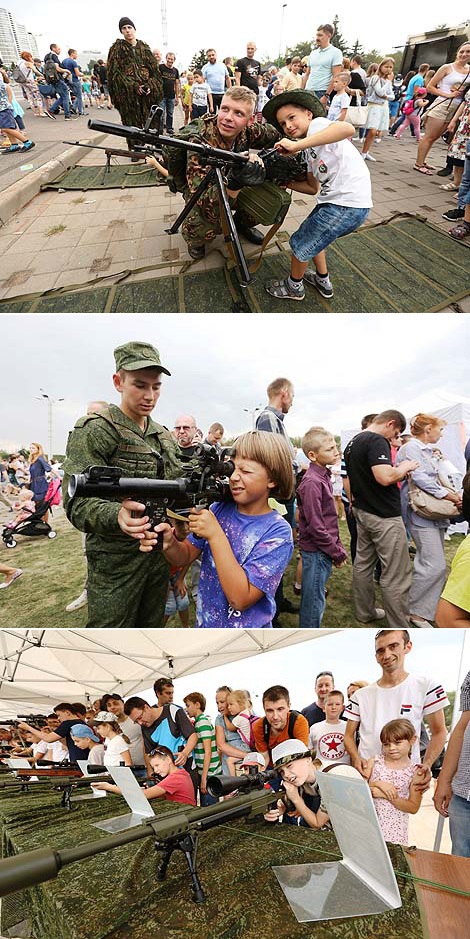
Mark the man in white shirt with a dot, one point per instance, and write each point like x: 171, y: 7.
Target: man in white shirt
x: 396, y: 694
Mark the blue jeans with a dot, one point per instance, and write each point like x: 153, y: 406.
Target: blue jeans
x: 324, y: 225
x: 459, y: 821
x: 464, y: 190
x: 168, y: 105
x: 58, y: 88
x: 77, y: 91
x: 198, y: 110
x: 316, y: 569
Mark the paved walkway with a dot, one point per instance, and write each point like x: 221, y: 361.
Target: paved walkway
x: 61, y: 239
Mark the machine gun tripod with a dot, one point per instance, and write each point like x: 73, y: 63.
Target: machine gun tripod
x: 149, y: 138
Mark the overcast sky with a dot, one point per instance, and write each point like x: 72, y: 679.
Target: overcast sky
x: 192, y: 27
x: 348, y: 654
x: 342, y: 367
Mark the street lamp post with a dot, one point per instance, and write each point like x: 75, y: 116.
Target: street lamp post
x: 283, y: 7
x: 50, y: 404
x: 254, y: 411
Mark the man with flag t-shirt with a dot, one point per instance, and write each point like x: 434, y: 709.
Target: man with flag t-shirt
x: 396, y: 694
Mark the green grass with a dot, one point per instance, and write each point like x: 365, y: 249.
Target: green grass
x: 55, y: 571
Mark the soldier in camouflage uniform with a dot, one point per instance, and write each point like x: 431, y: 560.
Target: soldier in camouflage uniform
x: 134, y: 79
x: 232, y: 128
x: 126, y: 587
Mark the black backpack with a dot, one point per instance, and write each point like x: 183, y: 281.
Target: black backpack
x: 293, y: 715
x: 50, y: 70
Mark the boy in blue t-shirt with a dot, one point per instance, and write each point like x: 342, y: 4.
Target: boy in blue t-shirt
x: 244, y: 544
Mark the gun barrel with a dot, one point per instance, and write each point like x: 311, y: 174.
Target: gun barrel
x: 80, y: 484
x: 35, y: 867
x: 151, y: 138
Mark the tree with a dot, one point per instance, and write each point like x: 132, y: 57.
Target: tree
x: 198, y: 60
x: 301, y: 49
x: 338, y: 40
x: 90, y: 66
x: 357, y: 49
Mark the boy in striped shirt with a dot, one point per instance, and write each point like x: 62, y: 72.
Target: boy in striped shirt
x: 205, y: 752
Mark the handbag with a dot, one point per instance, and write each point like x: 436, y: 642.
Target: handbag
x: 356, y: 114
x: 430, y: 507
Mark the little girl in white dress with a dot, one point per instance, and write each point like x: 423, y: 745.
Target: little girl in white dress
x: 393, y: 779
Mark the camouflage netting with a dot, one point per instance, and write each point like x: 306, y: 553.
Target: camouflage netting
x: 116, y: 895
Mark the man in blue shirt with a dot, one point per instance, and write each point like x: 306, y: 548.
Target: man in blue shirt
x: 325, y: 62
x: 217, y: 77
x: 72, y: 66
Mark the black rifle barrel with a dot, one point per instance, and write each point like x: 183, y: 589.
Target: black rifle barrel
x: 81, y: 484
x: 35, y: 867
x: 158, y: 140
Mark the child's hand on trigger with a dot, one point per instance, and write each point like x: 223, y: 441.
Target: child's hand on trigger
x: 287, y: 146
x: 151, y: 161
x: 203, y: 524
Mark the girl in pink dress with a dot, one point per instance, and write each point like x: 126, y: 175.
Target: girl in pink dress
x: 392, y: 780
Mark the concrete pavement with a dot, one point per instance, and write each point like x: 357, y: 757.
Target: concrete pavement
x: 65, y: 238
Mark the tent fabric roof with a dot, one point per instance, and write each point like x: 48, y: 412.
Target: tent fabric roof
x: 41, y: 667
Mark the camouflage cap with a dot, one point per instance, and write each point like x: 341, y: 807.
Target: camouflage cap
x: 288, y: 751
x: 299, y: 97
x: 134, y: 355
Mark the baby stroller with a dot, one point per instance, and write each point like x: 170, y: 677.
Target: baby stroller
x: 34, y: 526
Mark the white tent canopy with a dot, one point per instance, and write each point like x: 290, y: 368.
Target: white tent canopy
x: 39, y: 668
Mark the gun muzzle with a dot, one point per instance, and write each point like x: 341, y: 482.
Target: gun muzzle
x: 28, y: 869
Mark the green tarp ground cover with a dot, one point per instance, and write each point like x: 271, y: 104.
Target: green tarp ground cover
x: 124, y: 176
x: 404, y: 266
x: 116, y: 894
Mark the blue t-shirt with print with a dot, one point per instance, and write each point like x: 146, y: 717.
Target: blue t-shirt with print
x: 262, y: 545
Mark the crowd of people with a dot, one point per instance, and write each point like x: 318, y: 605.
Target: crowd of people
x: 28, y: 490
x: 376, y: 728
x: 228, y: 549
x: 311, y: 111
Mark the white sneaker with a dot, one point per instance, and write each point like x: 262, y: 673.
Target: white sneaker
x: 368, y: 156
x: 77, y: 604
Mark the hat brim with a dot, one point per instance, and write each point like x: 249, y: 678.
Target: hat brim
x: 299, y: 97
x: 290, y: 758
x: 137, y: 364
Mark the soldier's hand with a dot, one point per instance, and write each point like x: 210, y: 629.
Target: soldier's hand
x: 135, y: 527
x: 151, y: 539
x: 251, y: 173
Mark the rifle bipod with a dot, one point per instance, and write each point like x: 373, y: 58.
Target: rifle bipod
x: 231, y: 236
x: 187, y: 843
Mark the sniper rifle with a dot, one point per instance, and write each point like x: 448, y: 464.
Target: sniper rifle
x: 178, y: 830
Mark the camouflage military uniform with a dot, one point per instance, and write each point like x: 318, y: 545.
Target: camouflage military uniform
x: 203, y: 223
x: 126, y: 587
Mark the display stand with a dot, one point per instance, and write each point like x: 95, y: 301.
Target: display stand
x: 135, y: 798
x: 363, y: 882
